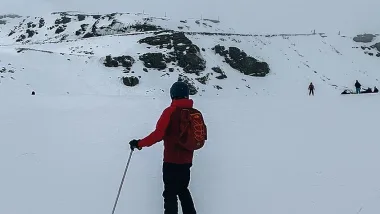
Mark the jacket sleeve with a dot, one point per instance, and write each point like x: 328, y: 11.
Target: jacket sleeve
x: 158, y: 134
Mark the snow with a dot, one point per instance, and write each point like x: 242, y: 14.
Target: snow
x: 66, y: 154
x: 271, y: 149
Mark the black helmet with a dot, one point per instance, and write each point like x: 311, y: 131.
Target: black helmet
x: 179, y: 90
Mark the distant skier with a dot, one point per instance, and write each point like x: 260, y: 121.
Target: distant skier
x: 183, y: 130
x: 311, y: 89
x: 358, y: 87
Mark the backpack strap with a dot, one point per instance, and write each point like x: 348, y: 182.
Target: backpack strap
x: 184, y: 118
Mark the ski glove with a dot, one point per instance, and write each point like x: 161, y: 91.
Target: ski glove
x: 134, y: 144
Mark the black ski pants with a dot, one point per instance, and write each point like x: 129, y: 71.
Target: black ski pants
x: 311, y: 92
x: 176, y: 181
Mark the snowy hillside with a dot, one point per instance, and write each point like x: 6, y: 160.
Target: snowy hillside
x: 33, y: 47
x: 102, y: 80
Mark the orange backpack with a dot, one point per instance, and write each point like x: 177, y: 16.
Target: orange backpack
x: 193, y: 130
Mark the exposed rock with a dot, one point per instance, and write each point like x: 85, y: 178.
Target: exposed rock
x: 221, y: 50
x: 218, y: 87
x: 239, y: 60
x: 60, y: 29
x: 124, y: 61
x: 145, y: 27
x: 12, y: 16
x: 30, y: 33
x: 203, y: 80
x: 62, y: 20
x: 41, y: 23
x: 212, y: 20
x: 377, y: 46
x: 96, y: 16
x: 171, y: 69
x: 185, y: 53
x: 145, y: 69
x: 81, y: 17
x: 88, y: 35
x: 21, y: 38
x: 189, y: 82
x: 131, y: 81
x: 83, y: 27
x: 31, y: 25
x: 154, y: 60
x: 364, y: 38
x: 11, y: 33
x: 219, y: 71
x: 160, y: 40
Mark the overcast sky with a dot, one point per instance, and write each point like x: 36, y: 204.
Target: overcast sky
x: 258, y: 16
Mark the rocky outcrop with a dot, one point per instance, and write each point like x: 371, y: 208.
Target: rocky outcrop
x: 131, y: 81
x: 60, y: 29
x: 240, y: 61
x: 219, y: 71
x: 41, y: 23
x: 21, y: 38
x: 143, y: 27
x: 30, y: 33
x: 154, y: 60
x: 203, y: 80
x: 124, y: 61
x: 364, y: 38
x: 117, y: 27
x: 218, y: 87
x: 83, y: 28
x: 185, y: 53
x: 377, y: 46
x: 81, y: 17
x: 62, y: 20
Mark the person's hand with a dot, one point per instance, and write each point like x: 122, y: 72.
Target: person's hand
x: 134, y: 144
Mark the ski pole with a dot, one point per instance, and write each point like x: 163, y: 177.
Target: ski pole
x: 122, y: 181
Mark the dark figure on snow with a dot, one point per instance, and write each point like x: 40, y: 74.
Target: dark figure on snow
x: 358, y: 87
x: 311, y: 89
x: 375, y: 90
x: 177, y: 160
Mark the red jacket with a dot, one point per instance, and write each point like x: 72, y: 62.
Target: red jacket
x: 169, y: 133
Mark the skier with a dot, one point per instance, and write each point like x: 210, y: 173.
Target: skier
x: 358, y: 87
x: 177, y: 160
x: 311, y: 89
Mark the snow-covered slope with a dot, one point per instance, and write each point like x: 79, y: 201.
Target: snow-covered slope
x: 271, y: 148
x: 332, y: 62
x: 66, y: 154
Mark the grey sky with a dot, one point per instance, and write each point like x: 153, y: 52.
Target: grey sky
x: 256, y: 16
